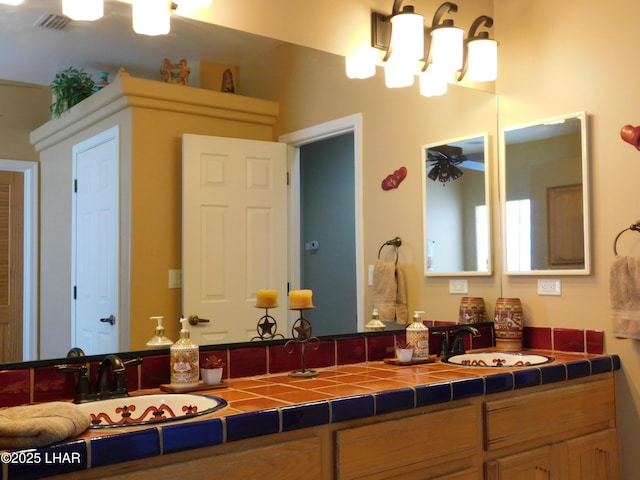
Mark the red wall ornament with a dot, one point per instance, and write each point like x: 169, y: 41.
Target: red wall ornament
x: 393, y: 180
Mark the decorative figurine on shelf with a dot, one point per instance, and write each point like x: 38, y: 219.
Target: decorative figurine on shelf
x: 227, y: 82
x: 103, y: 82
x: 175, y: 72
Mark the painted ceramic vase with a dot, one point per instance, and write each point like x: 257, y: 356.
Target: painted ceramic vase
x: 509, y: 324
x: 472, y: 310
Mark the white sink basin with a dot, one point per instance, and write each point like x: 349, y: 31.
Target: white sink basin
x: 497, y: 359
x: 146, y: 409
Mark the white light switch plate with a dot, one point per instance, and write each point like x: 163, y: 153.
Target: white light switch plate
x: 175, y: 278
x: 370, y: 275
x: 458, y: 286
x: 547, y: 286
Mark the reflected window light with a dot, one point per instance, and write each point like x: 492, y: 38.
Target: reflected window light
x: 482, y: 238
x: 518, y: 235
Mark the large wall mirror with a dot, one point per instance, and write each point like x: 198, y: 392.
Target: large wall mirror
x: 309, y: 98
x: 545, y: 197
x: 457, y: 222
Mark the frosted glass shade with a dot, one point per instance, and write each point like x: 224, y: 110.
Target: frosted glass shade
x: 407, y: 35
x: 433, y: 82
x: 482, y: 61
x: 87, y: 10
x: 361, y: 64
x: 399, y: 73
x: 446, y: 48
x: 151, y: 17
x: 11, y: 2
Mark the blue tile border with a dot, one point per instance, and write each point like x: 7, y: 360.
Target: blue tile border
x: 601, y: 365
x: 527, y: 378
x: 553, y: 373
x: 351, y: 408
x: 433, y: 393
x: 124, y: 447
x: 468, y: 387
x: 499, y: 382
x: 578, y: 369
x: 395, y: 400
x: 253, y: 424
x: 306, y: 415
x: 186, y: 436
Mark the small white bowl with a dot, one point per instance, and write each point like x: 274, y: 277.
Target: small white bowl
x: 211, y: 376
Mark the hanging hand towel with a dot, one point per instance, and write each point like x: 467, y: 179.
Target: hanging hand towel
x: 402, y: 313
x: 38, y: 425
x: 624, y: 295
x: 385, y: 289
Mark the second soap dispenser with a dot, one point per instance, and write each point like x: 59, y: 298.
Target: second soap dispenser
x: 184, y: 360
x: 418, y: 337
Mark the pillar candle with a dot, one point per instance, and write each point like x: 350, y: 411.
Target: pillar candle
x: 300, y: 299
x: 267, y: 298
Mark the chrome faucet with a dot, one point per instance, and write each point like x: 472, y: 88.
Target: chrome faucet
x: 457, y: 343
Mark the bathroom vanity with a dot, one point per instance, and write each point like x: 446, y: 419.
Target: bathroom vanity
x: 377, y: 420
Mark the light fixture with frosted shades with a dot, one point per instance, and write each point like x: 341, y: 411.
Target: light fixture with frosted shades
x: 439, y: 54
x: 151, y: 17
x: 362, y: 64
x: 83, y: 10
x: 446, y: 40
x: 11, y: 2
x: 481, y: 53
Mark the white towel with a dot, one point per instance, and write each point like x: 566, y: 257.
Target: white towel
x: 624, y: 295
x: 389, y: 292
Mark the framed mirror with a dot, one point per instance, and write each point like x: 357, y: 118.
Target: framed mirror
x: 544, y: 197
x: 455, y: 186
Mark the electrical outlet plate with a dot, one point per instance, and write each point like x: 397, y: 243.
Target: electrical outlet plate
x: 175, y: 278
x: 548, y: 286
x: 458, y: 286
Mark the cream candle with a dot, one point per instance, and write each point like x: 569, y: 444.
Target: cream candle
x: 267, y: 298
x: 300, y: 299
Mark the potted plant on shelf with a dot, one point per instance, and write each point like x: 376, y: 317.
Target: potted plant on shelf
x: 211, y: 370
x: 69, y: 87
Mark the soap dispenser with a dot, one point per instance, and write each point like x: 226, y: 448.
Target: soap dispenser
x: 184, y: 360
x: 418, y: 337
x: 375, y: 325
x: 159, y: 340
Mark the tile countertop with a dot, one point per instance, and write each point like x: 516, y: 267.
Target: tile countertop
x: 277, y: 403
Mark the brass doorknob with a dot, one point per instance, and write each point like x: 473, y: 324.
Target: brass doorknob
x: 195, y: 320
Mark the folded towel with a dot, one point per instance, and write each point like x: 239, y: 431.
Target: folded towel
x: 42, y: 424
x: 624, y: 296
x: 385, y: 290
x: 402, y: 313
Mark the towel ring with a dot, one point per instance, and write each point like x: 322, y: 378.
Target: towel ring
x: 635, y: 227
x: 395, y: 242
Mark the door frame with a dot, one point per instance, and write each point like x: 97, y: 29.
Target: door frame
x: 29, y: 169
x: 295, y: 140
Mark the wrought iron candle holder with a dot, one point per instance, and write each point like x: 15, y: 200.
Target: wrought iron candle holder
x: 301, y: 333
x: 267, y: 327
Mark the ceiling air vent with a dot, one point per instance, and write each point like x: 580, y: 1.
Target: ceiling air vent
x: 52, y: 21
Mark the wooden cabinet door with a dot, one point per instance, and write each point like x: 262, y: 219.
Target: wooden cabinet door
x: 531, y: 465
x: 592, y: 457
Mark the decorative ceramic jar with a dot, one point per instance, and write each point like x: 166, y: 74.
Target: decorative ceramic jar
x: 472, y: 310
x: 509, y: 324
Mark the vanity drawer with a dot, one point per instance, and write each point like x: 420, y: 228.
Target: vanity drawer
x: 443, y: 442
x: 553, y: 415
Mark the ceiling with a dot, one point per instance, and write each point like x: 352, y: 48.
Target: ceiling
x: 33, y: 54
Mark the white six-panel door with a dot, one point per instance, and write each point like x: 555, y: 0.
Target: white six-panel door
x: 95, y: 271
x: 234, y: 237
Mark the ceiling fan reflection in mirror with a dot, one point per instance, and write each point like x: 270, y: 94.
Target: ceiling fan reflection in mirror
x: 444, y: 159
